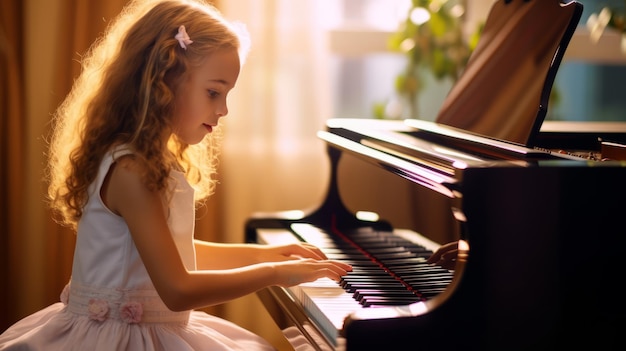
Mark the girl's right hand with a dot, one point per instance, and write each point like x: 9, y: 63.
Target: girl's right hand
x: 294, y: 272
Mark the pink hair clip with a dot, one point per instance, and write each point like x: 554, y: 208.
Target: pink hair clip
x: 183, y: 37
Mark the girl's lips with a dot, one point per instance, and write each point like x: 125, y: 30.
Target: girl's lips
x: 208, y: 127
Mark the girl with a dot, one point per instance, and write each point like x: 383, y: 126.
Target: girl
x: 133, y: 151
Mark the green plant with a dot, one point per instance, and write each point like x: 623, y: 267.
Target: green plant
x: 432, y: 37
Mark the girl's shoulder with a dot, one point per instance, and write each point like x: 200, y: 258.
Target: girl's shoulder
x: 124, y: 155
x: 122, y: 159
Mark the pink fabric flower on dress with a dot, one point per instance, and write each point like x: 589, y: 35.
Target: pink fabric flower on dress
x: 65, y: 294
x: 183, y: 37
x: 131, y: 312
x: 98, y: 309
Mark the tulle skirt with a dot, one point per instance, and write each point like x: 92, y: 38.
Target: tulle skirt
x: 57, y: 328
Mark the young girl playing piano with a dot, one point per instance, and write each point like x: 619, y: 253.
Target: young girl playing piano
x: 134, y: 151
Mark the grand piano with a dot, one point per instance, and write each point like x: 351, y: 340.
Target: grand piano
x: 536, y: 209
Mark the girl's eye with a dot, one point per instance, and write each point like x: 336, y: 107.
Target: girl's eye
x: 213, y: 93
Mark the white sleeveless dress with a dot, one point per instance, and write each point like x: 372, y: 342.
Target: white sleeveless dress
x: 111, y: 304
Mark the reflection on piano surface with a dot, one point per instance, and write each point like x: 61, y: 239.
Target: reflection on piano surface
x: 542, y: 228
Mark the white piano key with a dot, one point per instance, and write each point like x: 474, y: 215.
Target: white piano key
x: 324, y: 301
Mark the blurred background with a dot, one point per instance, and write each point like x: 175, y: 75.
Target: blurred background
x: 311, y: 60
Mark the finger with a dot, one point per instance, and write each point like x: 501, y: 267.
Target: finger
x: 434, y: 258
x: 339, y: 268
x: 306, y: 250
x: 316, y: 250
x: 343, y: 266
x: 450, y: 255
x: 327, y: 269
x: 443, y: 250
x: 333, y: 273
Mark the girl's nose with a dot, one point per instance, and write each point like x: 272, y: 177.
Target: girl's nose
x: 222, y: 111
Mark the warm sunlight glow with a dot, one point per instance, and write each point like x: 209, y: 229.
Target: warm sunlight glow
x: 385, y: 14
x: 435, y: 5
x: 407, y: 44
x: 367, y: 216
x: 457, y: 11
x: 419, y: 16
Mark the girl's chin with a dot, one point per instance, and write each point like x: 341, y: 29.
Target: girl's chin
x: 193, y: 141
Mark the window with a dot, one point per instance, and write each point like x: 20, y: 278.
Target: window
x: 592, y: 76
x: 588, y: 86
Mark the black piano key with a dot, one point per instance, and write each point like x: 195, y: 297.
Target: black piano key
x: 376, y: 292
x: 352, y: 287
x: 387, y: 269
x: 368, y: 271
x: 429, y: 285
x: 418, y: 273
x: 370, y: 297
x: 372, y: 280
x: 404, y: 262
x: 422, y: 287
x: 393, y: 256
x: 386, y: 283
x: 430, y: 293
x: 392, y: 301
x: 419, y: 276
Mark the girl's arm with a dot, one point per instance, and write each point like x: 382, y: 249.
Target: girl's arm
x: 143, y: 209
x: 211, y: 255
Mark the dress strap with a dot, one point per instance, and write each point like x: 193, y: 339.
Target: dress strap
x: 129, y: 306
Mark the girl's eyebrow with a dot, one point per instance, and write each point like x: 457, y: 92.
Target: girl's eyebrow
x: 220, y: 81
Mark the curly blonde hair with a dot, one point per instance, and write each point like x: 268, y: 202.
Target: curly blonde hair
x: 125, y: 95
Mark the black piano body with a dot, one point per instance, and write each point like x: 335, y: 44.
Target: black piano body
x: 544, y: 228
x: 546, y: 246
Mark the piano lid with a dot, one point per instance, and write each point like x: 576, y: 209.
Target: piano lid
x: 504, y: 90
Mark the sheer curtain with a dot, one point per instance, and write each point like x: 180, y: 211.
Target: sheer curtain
x: 272, y: 159
x: 11, y: 144
x: 41, y: 43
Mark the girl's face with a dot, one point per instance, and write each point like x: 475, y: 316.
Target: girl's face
x: 201, y: 97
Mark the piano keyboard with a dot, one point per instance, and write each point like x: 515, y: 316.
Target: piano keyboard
x: 389, y: 270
